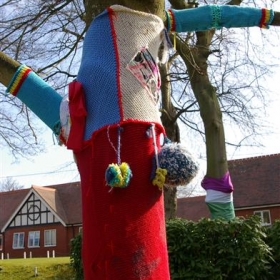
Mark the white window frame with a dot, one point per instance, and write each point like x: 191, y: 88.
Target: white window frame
x: 34, y: 241
x: 50, y: 238
x: 261, y: 214
x: 18, y: 240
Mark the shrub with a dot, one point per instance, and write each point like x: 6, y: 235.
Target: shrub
x: 273, y: 240
x: 217, y: 249
x: 76, y: 257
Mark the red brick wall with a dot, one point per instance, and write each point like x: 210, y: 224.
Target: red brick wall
x: 62, y: 248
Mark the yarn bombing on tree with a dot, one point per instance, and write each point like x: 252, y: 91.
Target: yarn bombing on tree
x: 111, y: 121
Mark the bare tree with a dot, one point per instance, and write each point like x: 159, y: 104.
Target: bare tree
x: 9, y: 184
x: 42, y: 36
x: 56, y: 21
x: 48, y: 37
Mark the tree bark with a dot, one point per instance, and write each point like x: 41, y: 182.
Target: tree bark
x: 93, y: 8
x: 196, y: 62
x: 8, y: 66
x: 169, y: 121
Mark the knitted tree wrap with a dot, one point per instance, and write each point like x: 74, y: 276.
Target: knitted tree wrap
x: 113, y: 93
x: 180, y: 164
x: 219, y: 196
x: 123, y: 228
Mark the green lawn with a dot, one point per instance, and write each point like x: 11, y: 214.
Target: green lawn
x: 47, y: 268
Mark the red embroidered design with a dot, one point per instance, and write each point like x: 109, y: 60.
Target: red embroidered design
x: 145, y: 69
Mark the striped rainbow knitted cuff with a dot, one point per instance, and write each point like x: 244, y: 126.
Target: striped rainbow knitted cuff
x: 17, y: 80
x: 171, y: 24
x: 37, y: 95
x: 266, y: 19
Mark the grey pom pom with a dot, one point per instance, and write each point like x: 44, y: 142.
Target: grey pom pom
x: 179, y: 163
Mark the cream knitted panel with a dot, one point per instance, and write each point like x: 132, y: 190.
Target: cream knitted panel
x: 136, y: 30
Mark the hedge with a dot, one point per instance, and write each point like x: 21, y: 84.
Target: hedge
x: 215, y: 250
x: 273, y: 240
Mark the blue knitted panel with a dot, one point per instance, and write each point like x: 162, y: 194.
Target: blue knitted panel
x: 98, y: 75
x: 43, y: 100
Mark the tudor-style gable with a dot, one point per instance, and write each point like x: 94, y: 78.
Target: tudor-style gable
x: 39, y: 221
x: 33, y: 210
x: 56, y: 203
x: 9, y: 202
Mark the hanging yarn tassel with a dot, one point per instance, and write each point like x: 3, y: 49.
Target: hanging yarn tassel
x: 117, y: 174
x: 160, y: 178
x: 160, y: 173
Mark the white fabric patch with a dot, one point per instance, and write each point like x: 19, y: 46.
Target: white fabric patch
x: 217, y: 196
x: 65, y: 118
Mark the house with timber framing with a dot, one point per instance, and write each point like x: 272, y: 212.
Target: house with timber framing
x: 40, y: 221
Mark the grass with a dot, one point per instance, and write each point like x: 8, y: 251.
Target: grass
x: 47, y: 268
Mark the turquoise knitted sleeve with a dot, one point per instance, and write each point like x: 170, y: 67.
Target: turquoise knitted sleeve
x: 213, y: 16
x: 42, y: 99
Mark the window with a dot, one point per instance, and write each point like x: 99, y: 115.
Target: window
x: 50, y: 237
x: 34, y: 239
x: 18, y: 240
x: 1, y: 242
x: 264, y: 216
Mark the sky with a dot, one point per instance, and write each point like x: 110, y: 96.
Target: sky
x: 56, y: 164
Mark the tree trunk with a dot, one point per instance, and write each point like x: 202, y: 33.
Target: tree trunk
x: 169, y: 121
x: 93, y: 8
x: 8, y: 67
x: 195, y: 60
x: 168, y: 116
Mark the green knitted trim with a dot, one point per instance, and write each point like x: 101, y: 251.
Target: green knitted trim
x: 216, y: 16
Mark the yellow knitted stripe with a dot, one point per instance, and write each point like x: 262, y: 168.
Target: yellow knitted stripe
x: 18, y: 79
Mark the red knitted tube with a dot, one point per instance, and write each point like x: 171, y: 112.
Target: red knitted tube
x: 123, y: 229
